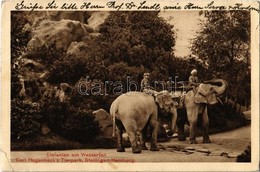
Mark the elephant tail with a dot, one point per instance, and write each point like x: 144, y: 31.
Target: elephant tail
x: 113, y: 113
x: 114, y: 125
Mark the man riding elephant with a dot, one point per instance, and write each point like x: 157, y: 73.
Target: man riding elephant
x: 196, y: 101
x: 145, y: 83
x: 193, y: 79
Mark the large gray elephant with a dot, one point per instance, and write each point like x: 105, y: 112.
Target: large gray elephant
x: 134, y: 112
x: 196, y: 104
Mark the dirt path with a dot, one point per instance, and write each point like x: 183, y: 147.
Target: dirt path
x: 224, y: 148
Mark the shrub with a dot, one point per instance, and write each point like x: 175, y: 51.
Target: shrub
x: 80, y: 126
x: 245, y: 156
x: 73, y: 123
x: 19, y: 40
x: 55, y: 114
x: 47, y: 55
x: 25, y: 119
x: 19, y: 36
x: 67, y: 69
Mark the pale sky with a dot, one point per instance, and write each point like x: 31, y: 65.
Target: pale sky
x: 185, y: 24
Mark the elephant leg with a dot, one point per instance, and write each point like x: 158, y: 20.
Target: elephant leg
x: 120, y: 147
x: 131, y: 131
x: 181, y: 120
x: 143, y: 137
x: 205, y: 126
x: 119, y: 132
x: 192, y: 114
x: 154, y: 130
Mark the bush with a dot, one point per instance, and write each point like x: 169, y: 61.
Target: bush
x: 55, y: 114
x: 25, y: 119
x: 15, y: 83
x: 245, y: 156
x: 217, y: 117
x: 47, y: 55
x: 80, y: 126
x: 63, y: 70
x: 19, y: 40
x: 71, y: 122
x: 19, y: 36
x: 133, y: 42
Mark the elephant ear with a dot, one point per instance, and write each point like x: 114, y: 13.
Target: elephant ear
x: 206, y: 94
x: 159, y: 100
x: 164, y: 99
x: 212, y: 96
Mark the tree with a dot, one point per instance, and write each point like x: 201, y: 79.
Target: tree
x: 138, y: 39
x: 224, y: 43
x: 19, y: 40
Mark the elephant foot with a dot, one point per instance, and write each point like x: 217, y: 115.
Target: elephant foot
x: 154, y: 148
x: 193, y: 142
x: 181, y: 137
x: 206, y: 140
x: 136, y: 150
x: 120, y: 149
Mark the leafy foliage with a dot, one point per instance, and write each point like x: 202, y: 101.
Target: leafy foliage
x: 183, y: 66
x: 138, y: 40
x: 67, y: 69
x: 25, y: 117
x: 224, y: 43
x: 47, y: 55
x: 80, y: 125
x: 19, y: 36
x: 19, y: 40
x: 71, y: 122
x: 223, y: 39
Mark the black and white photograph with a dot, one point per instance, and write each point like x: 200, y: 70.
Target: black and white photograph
x: 131, y: 86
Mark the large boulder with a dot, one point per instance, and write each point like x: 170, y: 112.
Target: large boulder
x: 81, y: 16
x: 63, y: 28
x: 79, y: 48
x: 247, y: 115
x: 96, y: 19
x: 36, y: 17
x: 62, y: 32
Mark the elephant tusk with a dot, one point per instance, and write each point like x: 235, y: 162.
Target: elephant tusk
x: 220, y: 100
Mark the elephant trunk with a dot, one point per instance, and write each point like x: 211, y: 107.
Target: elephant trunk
x: 173, y: 111
x: 218, y: 89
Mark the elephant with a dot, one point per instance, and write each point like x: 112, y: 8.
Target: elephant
x: 105, y: 122
x: 196, y: 104
x: 134, y: 112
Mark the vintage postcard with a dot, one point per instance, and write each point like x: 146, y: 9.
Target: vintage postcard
x: 129, y: 85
